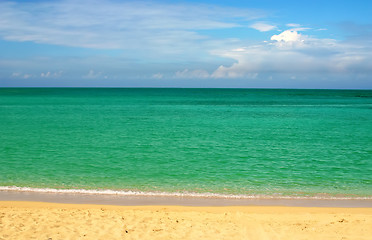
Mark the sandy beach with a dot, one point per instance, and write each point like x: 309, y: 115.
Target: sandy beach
x: 38, y: 220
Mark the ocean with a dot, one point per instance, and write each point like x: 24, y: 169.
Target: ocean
x: 233, y: 143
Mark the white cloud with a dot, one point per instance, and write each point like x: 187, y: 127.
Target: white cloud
x: 293, y: 25
x: 239, y: 49
x: 295, y: 54
x: 263, y: 27
x: 288, y: 36
x: 46, y: 75
x: 300, y: 29
x: 237, y: 70
x: 147, y: 31
x: 296, y: 27
x: 92, y: 75
x: 51, y: 75
x: 22, y: 75
x: 128, y: 25
x: 158, y: 75
x: 186, y: 73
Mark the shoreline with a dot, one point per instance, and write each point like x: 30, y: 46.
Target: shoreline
x: 159, y: 200
x: 181, y: 194
x: 40, y: 220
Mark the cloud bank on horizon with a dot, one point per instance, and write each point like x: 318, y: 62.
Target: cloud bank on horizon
x: 179, y: 44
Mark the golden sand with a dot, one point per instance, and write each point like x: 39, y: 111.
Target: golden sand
x: 35, y: 220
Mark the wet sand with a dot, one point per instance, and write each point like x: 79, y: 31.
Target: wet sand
x: 143, y: 200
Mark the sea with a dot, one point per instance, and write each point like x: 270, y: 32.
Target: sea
x: 228, y: 143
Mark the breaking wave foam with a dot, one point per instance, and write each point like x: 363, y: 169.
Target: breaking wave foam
x: 173, y: 194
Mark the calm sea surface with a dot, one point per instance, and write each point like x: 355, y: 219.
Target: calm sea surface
x: 208, y: 141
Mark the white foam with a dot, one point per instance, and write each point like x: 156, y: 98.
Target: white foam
x: 173, y: 194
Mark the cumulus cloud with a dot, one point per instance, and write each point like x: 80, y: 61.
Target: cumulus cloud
x: 171, y: 35
x: 263, y: 27
x: 288, y: 36
x: 291, y: 52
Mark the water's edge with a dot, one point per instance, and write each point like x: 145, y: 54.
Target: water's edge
x: 130, y: 198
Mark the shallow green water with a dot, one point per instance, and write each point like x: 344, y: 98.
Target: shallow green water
x: 226, y: 141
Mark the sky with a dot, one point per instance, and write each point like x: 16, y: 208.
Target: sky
x: 160, y: 43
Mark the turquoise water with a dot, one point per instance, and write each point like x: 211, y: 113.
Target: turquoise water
x: 220, y: 141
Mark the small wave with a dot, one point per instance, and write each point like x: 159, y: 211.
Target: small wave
x: 175, y: 194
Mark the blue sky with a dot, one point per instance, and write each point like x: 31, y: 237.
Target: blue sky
x: 244, y: 44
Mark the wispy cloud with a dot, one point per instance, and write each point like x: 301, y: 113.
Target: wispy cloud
x: 51, y: 74
x: 94, y: 75
x: 115, y: 25
x: 163, y: 40
x: 293, y: 25
x: 157, y: 75
x: 297, y: 27
x: 22, y: 75
x: 186, y: 73
x: 263, y: 27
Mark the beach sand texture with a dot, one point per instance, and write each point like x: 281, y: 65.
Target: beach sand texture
x: 35, y: 220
